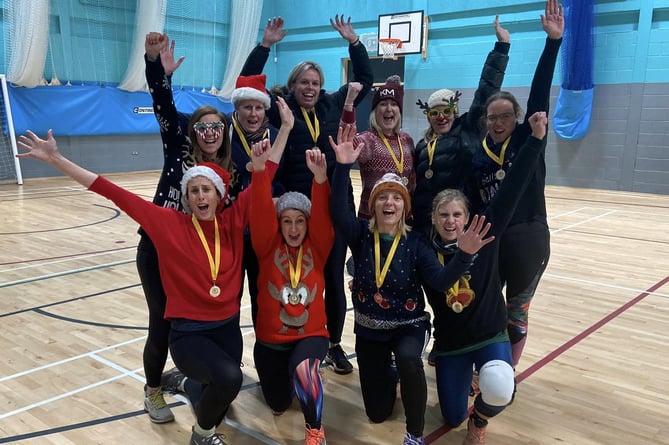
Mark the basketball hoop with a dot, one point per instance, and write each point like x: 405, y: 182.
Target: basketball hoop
x: 389, y: 46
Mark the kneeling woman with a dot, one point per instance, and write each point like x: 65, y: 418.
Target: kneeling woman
x: 392, y: 264
x: 291, y: 333
x: 470, y: 318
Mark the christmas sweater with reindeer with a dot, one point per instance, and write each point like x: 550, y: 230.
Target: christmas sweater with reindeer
x: 289, y: 312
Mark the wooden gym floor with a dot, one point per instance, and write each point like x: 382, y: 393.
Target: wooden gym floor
x: 73, y: 324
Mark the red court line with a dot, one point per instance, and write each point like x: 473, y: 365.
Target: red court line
x: 436, y: 434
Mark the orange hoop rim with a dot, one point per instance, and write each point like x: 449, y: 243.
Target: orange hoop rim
x: 397, y: 42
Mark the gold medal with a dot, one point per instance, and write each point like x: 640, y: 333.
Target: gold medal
x: 378, y: 298
x: 249, y: 166
x: 500, y: 174
x: 429, y: 173
x: 405, y: 181
x: 294, y: 299
x: 215, y: 291
x: 457, y: 307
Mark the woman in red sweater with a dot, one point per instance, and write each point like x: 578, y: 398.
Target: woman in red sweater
x: 200, y: 254
x: 291, y: 333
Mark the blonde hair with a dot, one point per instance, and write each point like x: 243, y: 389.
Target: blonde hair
x: 402, y: 226
x: 300, y: 69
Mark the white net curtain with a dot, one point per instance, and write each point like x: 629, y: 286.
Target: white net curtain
x: 98, y: 41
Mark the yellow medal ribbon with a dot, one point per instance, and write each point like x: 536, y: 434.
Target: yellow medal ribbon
x: 431, y: 147
x: 499, y: 159
x: 378, y: 272
x: 240, y: 133
x: 456, y: 287
x: 295, y: 272
x: 399, y: 164
x: 214, y: 264
x: 315, y: 132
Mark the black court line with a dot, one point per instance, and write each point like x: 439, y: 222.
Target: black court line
x: 89, y: 323
x: 116, y: 211
x: 57, y: 303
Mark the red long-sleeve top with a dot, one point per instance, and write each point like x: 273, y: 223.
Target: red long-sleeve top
x: 184, y: 266
x: 286, y: 313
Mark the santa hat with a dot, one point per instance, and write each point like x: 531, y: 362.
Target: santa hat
x: 214, y: 172
x: 251, y: 88
x: 392, y: 182
x: 444, y: 98
x: 392, y: 89
x: 293, y: 200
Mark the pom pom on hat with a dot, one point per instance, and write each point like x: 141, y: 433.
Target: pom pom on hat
x: 444, y: 97
x: 251, y: 88
x: 392, y: 182
x: 214, y: 172
x: 392, y: 89
x: 293, y: 200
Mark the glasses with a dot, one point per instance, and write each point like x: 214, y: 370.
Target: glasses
x: 434, y: 114
x: 202, y: 126
x: 504, y: 117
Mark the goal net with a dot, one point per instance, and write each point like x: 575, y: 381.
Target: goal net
x: 10, y: 169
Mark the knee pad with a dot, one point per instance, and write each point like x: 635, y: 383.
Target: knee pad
x: 496, y: 381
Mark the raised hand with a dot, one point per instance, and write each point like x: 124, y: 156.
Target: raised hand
x: 287, y: 116
x: 538, y: 122
x: 344, y: 28
x: 153, y: 44
x: 501, y: 33
x: 44, y: 150
x: 317, y: 164
x: 344, y: 150
x: 167, y: 57
x: 260, y: 152
x: 473, y: 238
x: 553, y: 20
x: 273, y: 32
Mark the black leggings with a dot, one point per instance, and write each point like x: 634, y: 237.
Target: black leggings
x: 156, y: 346
x: 213, y: 358
x: 379, y: 385
x: 276, y: 369
x: 251, y: 269
x: 335, y: 296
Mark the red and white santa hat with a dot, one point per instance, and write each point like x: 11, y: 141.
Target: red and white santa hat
x: 251, y: 88
x: 214, y: 172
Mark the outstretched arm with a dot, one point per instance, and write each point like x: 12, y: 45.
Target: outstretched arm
x: 273, y: 32
x: 317, y: 164
x: 46, y: 150
x: 553, y: 21
x: 345, y: 29
x: 287, y: 122
x: 344, y: 150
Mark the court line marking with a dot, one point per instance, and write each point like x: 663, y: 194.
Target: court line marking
x: 551, y: 356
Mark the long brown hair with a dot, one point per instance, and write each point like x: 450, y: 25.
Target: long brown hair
x: 224, y: 153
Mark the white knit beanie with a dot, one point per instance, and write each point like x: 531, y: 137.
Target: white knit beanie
x: 442, y: 98
x: 293, y: 200
x: 214, y: 172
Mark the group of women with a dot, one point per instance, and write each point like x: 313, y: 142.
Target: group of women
x: 294, y: 148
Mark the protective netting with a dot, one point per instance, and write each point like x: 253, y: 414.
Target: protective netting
x: 578, y: 45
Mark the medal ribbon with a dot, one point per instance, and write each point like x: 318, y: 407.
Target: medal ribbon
x: 499, y: 159
x: 214, y: 264
x: 456, y: 287
x: 399, y: 164
x: 378, y: 272
x: 315, y: 132
x: 431, y: 146
x: 295, y: 272
x: 240, y: 133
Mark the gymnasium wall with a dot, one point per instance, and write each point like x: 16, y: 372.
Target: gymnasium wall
x: 626, y: 147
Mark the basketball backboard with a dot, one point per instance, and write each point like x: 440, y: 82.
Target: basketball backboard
x: 406, y: 26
